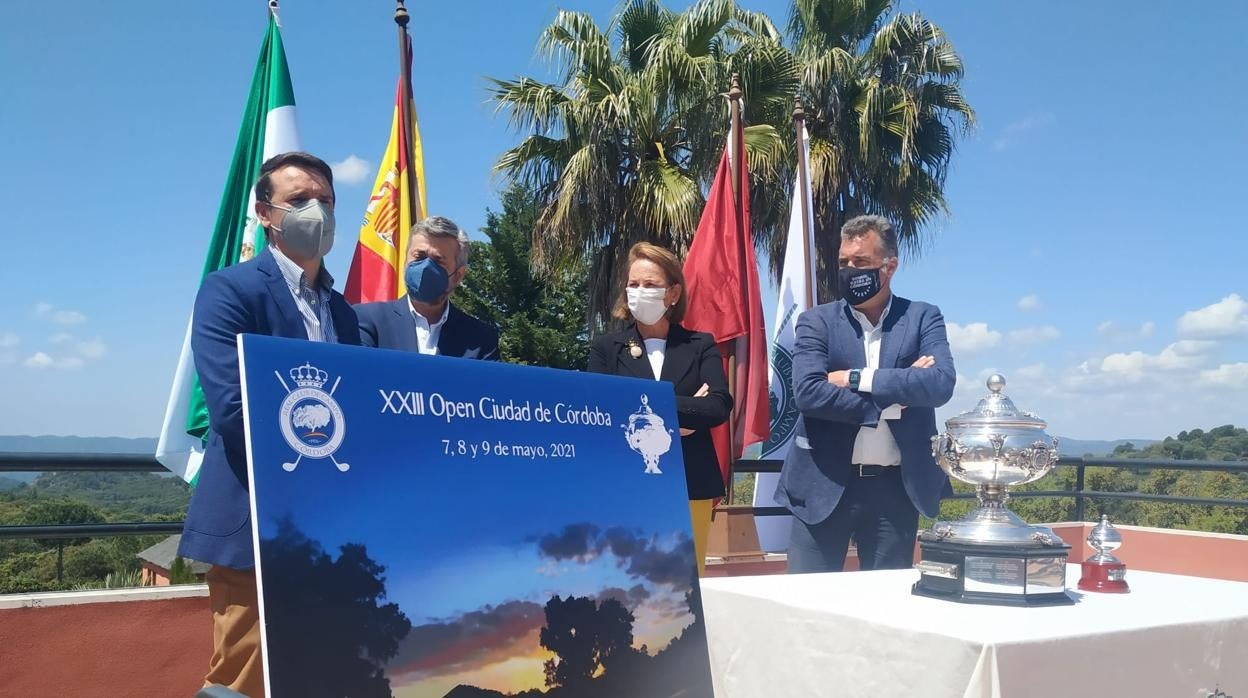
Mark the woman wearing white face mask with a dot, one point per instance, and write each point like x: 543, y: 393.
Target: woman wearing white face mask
x: 655, y: 346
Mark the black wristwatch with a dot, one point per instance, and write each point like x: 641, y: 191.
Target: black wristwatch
x: 855, y: 375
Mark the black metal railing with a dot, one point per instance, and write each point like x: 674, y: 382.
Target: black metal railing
x: 144, y: 463
x: 1079, y: 493
x: 83, y: 462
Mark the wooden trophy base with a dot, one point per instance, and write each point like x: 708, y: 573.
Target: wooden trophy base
x: 1104, y: 577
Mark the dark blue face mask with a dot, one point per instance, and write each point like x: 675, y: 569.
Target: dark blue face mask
x: 426, y: 280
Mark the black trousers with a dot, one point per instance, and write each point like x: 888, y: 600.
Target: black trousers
x: 876, y: 512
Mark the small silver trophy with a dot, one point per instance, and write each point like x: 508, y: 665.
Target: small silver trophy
x: 1103, y: 571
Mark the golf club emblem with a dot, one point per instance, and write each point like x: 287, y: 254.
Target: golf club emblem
x: 311, y: 420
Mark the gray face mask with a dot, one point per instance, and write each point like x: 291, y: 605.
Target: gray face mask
x: 307, y: 231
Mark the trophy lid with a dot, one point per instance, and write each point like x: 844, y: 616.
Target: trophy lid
x: 997, y: 410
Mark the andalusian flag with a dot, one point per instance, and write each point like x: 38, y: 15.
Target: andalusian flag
x: 268, y: 129
x: 796, y: 297
x: 398, y: 201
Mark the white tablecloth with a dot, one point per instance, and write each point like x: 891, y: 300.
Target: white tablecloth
x: 864, y: 634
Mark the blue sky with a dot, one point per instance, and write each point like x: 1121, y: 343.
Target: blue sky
x: 1094, y: 253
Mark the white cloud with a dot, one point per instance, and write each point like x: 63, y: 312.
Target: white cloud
x: 1014, y: 131
x: 1029, y: 303
x: 972, y: 338
x: 352, y: 170
x: 38, y: 360
x: 1227, y: 376
x: 8, y: 340
x: 47, y: 311
x: 1226, y: 318
x: 1113, y: 330
x: 68, y: 317
x: 92, y: 349
x: 1034, y: 335
x: 1184, y: 355
x: 61, y: 338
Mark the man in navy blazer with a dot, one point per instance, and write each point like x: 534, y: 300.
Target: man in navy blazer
x: 869, y: 371
x: 424, y: 320
x: 283, y: 292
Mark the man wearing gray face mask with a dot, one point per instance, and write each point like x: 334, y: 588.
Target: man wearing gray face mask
x: 283, y: 292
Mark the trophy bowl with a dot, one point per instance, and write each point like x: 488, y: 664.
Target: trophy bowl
x: 991, y: 555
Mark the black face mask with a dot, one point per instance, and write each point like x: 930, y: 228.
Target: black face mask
x: 858, y: 285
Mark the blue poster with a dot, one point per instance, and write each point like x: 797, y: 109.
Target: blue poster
x: 430, y: 527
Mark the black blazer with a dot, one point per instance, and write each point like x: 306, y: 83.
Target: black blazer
x: 691, y: 359
x: 390, y: 325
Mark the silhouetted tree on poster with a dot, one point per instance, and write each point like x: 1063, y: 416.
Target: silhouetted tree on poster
x: 586, y: 637
x: 329, y: 632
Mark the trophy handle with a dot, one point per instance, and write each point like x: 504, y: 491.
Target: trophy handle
x: 1044, y: 538
x: 946, y: 448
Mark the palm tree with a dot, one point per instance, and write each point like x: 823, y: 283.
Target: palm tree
x: 883, y: 106
x: 621, y: 148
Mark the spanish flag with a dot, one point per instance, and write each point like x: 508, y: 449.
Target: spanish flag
x: 398, y: 201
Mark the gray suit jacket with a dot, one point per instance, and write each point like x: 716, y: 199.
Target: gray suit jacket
x: 817, y: 467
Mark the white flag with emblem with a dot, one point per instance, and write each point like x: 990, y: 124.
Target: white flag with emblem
x: 796, y: 296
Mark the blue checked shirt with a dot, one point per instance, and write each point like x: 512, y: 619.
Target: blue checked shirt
x: 313, y: 303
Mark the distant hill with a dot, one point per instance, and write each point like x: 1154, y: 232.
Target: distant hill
x: 67, y: 444
x: 1079, y: 447
x: 76, y: 444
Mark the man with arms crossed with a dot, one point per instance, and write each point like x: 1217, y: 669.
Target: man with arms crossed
x: 869, y: 371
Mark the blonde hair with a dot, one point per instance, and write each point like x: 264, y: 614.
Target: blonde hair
x: 665, y: 260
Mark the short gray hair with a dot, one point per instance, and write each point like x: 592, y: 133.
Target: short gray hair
x: 859, y: 226
x: 439, y: 227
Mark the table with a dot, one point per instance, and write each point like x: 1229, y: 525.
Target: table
x: 863, y: 634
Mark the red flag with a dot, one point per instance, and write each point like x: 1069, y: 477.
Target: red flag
x: 721, y: 277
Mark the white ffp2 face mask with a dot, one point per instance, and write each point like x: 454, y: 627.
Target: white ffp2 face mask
x: 648, y: 305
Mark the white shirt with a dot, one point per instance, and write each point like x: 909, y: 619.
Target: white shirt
x: 427, y: 335
x: 655, y: 349
x: 875, y: 445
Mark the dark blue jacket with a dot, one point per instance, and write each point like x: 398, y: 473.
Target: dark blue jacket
x: 390, y: 325
x: 247, y: 298
x: 817, y: 467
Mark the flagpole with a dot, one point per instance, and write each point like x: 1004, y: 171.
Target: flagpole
x: 803, y: 182
x: 734, y: 155
x: 401, y: 18
x: 734, y: 102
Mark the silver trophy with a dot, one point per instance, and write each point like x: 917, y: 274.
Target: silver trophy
x: 1104, y: 571
x: 991, y: 555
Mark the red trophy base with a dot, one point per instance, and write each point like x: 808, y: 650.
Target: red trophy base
x: 1105, y: 577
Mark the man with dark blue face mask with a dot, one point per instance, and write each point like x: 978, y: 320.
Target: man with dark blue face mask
x: 424, y: 320
x: 869, y: 371
x: 283, y: 292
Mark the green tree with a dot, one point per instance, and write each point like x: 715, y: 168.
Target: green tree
x: 541, y: 319
x: 618, y: 150
x: 884, y: 107
x: 46, y: 512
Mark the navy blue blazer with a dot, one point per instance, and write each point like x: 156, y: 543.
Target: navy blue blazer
x: 390, y: 325
x: 817, y: 467
x: 247, y: 298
